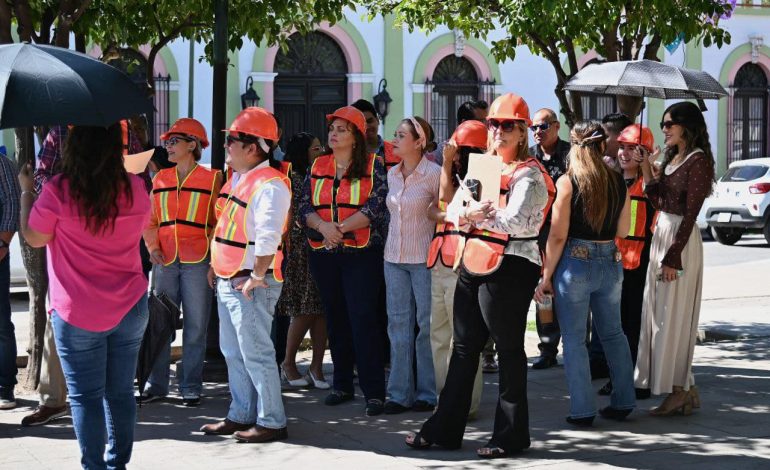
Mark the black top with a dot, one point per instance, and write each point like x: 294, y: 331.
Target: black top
x: 578, y: 226
x: 556, y: 165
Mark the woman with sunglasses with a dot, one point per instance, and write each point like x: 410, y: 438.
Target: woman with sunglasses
x: 583, y: 271
x: 300, y: 298
x: 500, y: 267
x: 343, y: 208
x: 412, y: 186
x: 178, y: 239
x: 675, y: 273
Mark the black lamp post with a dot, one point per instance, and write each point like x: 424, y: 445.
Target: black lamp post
x: 250, y: 98
x: 382, y: 99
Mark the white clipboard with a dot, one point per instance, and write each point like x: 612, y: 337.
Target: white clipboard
x: 487, y: 169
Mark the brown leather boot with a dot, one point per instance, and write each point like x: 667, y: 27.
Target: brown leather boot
x: 258, y: 434
x: 224, y: 428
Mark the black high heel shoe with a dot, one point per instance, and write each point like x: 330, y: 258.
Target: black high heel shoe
x: 586, y: 422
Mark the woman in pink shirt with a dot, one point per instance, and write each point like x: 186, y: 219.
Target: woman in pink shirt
x: 412, y: 186
x: 91, y: 217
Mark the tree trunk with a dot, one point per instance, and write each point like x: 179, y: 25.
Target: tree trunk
x: 37, y: 276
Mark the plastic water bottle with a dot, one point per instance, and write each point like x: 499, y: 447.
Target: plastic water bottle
x: 545, y: 310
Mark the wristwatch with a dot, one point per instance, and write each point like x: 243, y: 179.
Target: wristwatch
x: 256, y: 278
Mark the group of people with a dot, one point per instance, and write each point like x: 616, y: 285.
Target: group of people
x: 387, y: 249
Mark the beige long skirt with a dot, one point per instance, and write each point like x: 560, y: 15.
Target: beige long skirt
x: 670, y: 314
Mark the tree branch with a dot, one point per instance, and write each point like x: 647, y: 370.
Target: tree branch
x: 25, y: 27
x: 651, y: 50
x: 5, y: 23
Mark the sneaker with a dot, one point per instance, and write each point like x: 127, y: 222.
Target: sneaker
x: 544, y: 362
x: 337, y: 397
x: 489, y: 364
x: 148, y: 397
x: 374, y: 407
x: 43, y: 415
x: 191, y: 401
x: 7, y: 400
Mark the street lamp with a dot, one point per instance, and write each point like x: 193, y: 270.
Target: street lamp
x: 250, y: 98
x: 382, y: 99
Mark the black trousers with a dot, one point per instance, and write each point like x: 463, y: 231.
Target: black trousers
x: 349, y: 284
x: 494, y: 305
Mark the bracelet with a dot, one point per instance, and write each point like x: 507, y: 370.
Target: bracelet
x: 33, y: 193
x: 255, y: 277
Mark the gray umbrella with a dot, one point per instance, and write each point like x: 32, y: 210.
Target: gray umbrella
x: 646, y: 78
x: 44, y: 85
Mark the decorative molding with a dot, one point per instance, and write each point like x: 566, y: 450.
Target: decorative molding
x: 459, y: 43
x: 360, y: 77
x: 756, y: 41
x: 268, y: 77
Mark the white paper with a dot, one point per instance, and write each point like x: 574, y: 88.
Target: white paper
x: 137, y: 162
x: 487, y: 169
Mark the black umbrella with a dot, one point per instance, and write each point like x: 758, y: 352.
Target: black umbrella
x: 45, y: 85
x: 161, y: 328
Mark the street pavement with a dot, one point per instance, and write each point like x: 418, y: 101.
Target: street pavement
x: 730, y: 431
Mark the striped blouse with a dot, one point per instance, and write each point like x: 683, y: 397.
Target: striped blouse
x: 410, y: 230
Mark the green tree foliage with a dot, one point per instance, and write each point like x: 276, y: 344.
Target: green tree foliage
x: 559, y: 30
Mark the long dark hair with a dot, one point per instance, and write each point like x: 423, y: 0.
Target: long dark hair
x: 360, y: 154
x: 694, y: 132
x: 297, y: 150
x: 92, y: 165
x: 430, y: 136
x: 464, y: 153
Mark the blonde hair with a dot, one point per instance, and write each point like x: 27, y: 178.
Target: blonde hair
x: 594, y: 180
x: 522, y: 152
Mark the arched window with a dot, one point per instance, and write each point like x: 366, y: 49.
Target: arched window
x: 750, y: 125
x: 454, y: 81
x: 311, y: 83
x: 596, y: 106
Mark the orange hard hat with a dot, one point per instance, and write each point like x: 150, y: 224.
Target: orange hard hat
x: 630, y: 135
x: 471, y: 134
x: 257, y: 122
x: 188, y: 126
x: 510, y: 106
x: 350, y: 114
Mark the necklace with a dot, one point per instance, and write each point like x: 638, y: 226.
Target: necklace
x: 343, y: 167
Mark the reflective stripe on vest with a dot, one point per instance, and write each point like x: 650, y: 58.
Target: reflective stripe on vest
x: 483, y: 250
x: 445, y: 242
x: 390, y: 159
x: 276, y: 264
x: 350, y: 196
x: 183, y: 213
x: 124, y: 133
x: 230, y: 242
x: 632, y: 245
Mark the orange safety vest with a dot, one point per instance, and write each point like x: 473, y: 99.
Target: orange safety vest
x: 350, y: 197
x: 228, y: 247
x: 390, y: 160
x: 483, y: 250
x: 632, y: 245
x: 446, y: 240
x: 275, y: 266
x: 183, y: 213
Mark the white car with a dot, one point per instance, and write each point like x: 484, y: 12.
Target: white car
x: 18, y: 272
x: 741, y: 201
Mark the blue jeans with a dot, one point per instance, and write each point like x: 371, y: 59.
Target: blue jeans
x: 187, y: 286
x: 589, y: 277
x: 244, y: 337
x: 100, y: 369
x: 7, y: 331
x: 409, y: 299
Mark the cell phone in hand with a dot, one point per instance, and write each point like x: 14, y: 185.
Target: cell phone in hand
x: 474, y: 187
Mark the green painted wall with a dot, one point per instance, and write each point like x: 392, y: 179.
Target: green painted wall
x: 233, y: 87
x: 394, y: 72
x: 729, y: 63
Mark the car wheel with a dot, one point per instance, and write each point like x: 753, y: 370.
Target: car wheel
x: 726, y: 236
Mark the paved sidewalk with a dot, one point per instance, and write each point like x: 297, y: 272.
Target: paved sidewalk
x: 730, y: 431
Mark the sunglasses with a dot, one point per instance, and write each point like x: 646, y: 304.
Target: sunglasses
x: 175, y: 140
x: 540, y: 127
x: 229, y: 139
x: 667, y: 124
x: 505, y: 126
